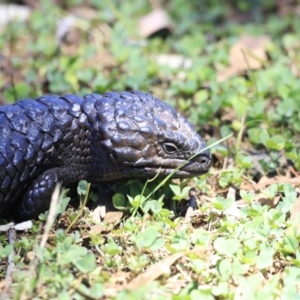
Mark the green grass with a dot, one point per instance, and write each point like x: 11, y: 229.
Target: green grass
x: 234, y: 245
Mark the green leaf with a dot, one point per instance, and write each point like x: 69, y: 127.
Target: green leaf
x: 86, y: 264
x: 276, y: 142
x: 97, y: 290
x: 148, y: 239
x: 247, y: 196
x: 111, y: 247
x: 175, y: 189
x: 238, y: 268
x: 130, y: 225
x: 120, y: 201
x: 185, y: 191
x: 180, y: 242
x: 82, y: 187
x: 240, y: 105
x: 63, y: 201
x: 224, y: 269
x: 20, y: 90
x: 201, y: 237
x: 264, y: 136
x: 221, y: 289
x: 265, y: 258
x: 290, y: 244
x: 198, y: 265
x: 249, y: 257
x: 201, y: 294
x: 227, y: 246
x: 6, y: 251
x: 154, y: 206
x: 137, y: 201
x: 253, y: 134
x: 221, y: 204
x: 201, y: 97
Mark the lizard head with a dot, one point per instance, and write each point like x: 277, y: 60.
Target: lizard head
x: 145, y: 136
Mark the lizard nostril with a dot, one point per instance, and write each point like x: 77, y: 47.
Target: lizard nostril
x: 205, y: 161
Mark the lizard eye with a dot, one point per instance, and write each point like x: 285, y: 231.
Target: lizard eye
x: 170, y: 148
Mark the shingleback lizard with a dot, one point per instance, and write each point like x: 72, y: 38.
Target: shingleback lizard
x: 100, y: 138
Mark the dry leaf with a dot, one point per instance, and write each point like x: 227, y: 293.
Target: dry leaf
x: 288, y: 7
x: 11, y: 12
x: 292, y: 49
x: 248, y: 53
x: 232, y: 210
x: 110, y: 220
x: 188, y: 215
x: 84, y: 12
x: 261, y: 197
x: 20, y: 226
x: 23, y: 226
x: 97, y: 229
x: 231, y: 194
x: 159, y: 268
x: 113, y: 217
x: 7, y: 226
x: 154, y: 22
x: 98, y: 213
x: 153, y: 271
x: 265, y: 181
x: 295, y: 213
x: 174, y: 61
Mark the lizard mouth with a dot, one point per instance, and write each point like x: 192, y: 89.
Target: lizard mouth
x: 196, y: 167
x: 163, y: 172
x: 200, y: 163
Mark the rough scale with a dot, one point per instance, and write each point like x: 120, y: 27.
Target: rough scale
x: 100, y: 138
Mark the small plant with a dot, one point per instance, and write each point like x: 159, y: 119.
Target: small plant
x: 150, y: 252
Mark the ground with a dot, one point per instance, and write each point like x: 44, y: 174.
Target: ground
x: 232, y: 68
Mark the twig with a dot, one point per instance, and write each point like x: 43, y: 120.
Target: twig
x: 10, y: 265
x: 155, y: 4
x: 49, y: 222
x: 119, y: 16
x: 293, y: 171
x: 13, y: 86
x: 81, y: 208
x: 192, y: 205
x: 52, y: 215
x: 251, y: 74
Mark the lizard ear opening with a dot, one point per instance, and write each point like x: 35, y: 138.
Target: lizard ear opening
x: 170, y: 148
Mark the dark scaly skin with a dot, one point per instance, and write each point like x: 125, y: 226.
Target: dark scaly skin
x: 98, y: 138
